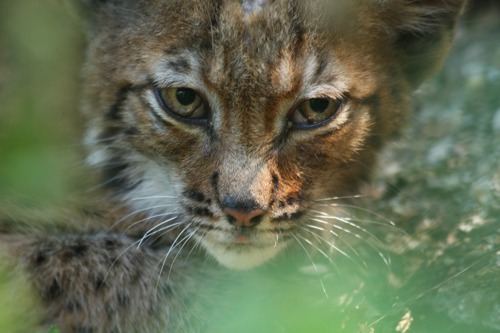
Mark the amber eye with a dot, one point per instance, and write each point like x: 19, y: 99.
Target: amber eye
x: 182, y: 102
x: 315, y: 112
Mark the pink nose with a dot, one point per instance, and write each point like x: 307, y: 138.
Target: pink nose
x: 243, y: 218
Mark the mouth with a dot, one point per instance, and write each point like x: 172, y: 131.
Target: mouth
x: 242, y: 249
x: 242, y: 240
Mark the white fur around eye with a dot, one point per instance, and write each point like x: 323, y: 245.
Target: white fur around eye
x: 164, y: 75
x: 310, y: 67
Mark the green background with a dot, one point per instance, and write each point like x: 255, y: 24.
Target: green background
x: 40, y: 54
x: 40, y: 152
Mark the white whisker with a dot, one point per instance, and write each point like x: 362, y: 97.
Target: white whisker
x: 154, y: 197
x: 312, y: 262
x: 184, y: 241
x: 158, y: 228
x: 350, y: 232
x: 340, y: 198
x: 358, y: 208
x: 153, y: 217
x: 336, y: 248
x: 337, y: 236
x: 119, y: 256
x: 195, y: 245
x: 175, y: 243
x: 143, y: 210
x: 353, y: 222
x: 348, y: 222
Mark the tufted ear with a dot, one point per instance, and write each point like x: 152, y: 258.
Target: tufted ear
x: 99, y: 13
x: 424, y: 30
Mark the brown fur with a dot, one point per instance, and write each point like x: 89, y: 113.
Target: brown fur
x: 252, y: 69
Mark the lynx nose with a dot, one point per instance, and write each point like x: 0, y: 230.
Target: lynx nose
x: 244, y: 218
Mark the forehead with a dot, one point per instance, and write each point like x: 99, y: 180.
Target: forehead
x: 259, y: 27
x: 248, y: 45
x: 249, y: 42
x: 253, y: 24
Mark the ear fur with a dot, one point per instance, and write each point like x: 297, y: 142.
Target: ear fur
x: 104, y: 12
x: 424, y: 30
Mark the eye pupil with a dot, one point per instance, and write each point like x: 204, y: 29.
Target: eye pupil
x: 185, y: 96
x: 319, y: 105
x: 316, y: 112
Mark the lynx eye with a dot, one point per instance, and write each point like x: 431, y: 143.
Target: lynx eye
x: 315, y: 112
x: 182, y: 102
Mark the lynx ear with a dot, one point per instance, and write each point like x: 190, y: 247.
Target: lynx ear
x: 424, y: 30
x: 98, y: 13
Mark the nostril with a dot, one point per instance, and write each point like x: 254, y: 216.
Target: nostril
x: 256, y: 219
x: 231, y: 219
x: 242, y: 218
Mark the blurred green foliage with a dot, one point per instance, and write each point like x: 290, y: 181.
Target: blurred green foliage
x: 40, y: 54
x: 41, y: 47
x: 54, y: 330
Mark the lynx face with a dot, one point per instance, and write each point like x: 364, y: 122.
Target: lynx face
x: 224, y: 122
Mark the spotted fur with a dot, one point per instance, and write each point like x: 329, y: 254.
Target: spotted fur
x: 170, y: 183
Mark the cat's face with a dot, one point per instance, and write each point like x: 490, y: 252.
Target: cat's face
x: 231, y: 120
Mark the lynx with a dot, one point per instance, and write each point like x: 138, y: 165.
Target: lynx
x: 218, y: 127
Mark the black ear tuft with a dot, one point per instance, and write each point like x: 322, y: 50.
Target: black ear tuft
x: 424, y: 32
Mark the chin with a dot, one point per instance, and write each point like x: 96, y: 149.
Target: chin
x: 241, y: 257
